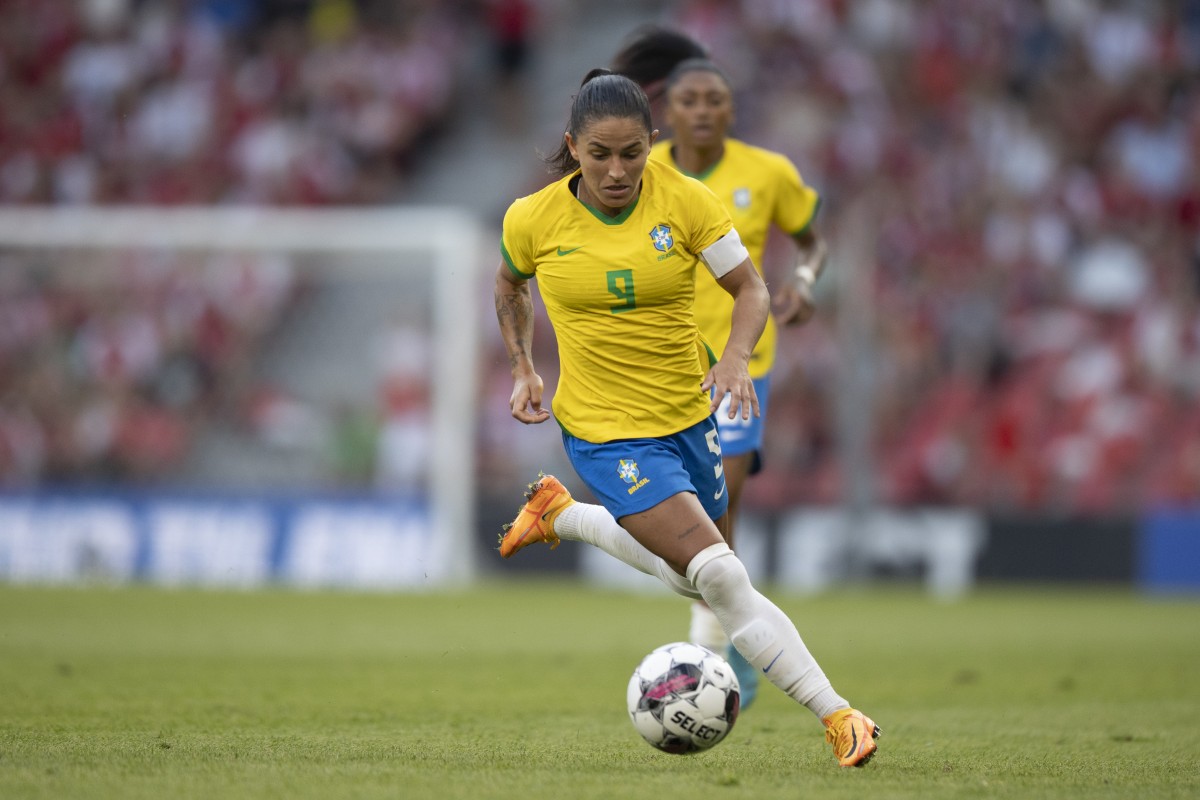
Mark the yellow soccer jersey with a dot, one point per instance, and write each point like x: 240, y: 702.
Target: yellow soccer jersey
x: 619, y: 292
x: 758, y: 187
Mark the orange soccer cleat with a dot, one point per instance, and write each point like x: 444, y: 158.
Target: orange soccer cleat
x: 852, y: 734
x: 544, y: 501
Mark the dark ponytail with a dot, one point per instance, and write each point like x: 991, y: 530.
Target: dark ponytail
x: 652, y: 52
x: 602, y: 94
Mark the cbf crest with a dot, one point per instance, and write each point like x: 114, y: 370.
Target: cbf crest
x: 627, y: 470
x: 661, y: 236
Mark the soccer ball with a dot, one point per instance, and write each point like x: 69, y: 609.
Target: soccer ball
x: 683, y: 698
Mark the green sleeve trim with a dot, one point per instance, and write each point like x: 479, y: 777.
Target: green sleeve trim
x: 804, y: 228
x: 508, y: 260
x: 712, y: 357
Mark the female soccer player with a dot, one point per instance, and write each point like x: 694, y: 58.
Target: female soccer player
x: 759, y: 188
x: 615, y: 244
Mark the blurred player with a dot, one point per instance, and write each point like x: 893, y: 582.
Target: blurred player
x: 615, y: 245
x: 648, y: 59
x: 759, y: 188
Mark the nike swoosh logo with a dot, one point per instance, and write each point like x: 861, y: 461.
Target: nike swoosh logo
x: 767, y: 668
x: 717, y: 495
x: 562, y: 252
x: 854, y: 740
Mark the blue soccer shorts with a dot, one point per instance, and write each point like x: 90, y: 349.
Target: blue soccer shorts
x: 629, y: 476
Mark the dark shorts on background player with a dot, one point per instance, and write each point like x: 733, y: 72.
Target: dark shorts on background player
x: 740, y: 436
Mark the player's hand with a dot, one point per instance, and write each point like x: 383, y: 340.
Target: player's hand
x: 526, y: 400
x: 733, y: 379
x: 794, y: 304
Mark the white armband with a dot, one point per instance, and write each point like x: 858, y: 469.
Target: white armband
x: 724, y: 254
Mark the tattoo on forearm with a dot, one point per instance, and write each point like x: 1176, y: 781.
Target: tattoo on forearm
x: 515, y: 314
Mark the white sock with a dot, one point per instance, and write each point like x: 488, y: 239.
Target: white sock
x: 595, y: 525
x: 706, y: 629
x: 760, y: 631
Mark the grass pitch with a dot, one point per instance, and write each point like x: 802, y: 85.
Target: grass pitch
x: 517, y: 691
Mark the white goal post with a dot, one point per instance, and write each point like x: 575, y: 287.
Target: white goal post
x: 444, y: 242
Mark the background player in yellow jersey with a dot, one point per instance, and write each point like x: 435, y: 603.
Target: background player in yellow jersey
x: 760, y: 188
x: 615, y: 245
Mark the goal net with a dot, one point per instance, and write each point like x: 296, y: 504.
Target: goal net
x: 239, y: 395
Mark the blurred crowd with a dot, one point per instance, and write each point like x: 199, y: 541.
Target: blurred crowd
x: 110, y: 379
x: 1027, y: 173
x: 218, y: 101
x: 115, y: 102
x: 1032, y: 172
